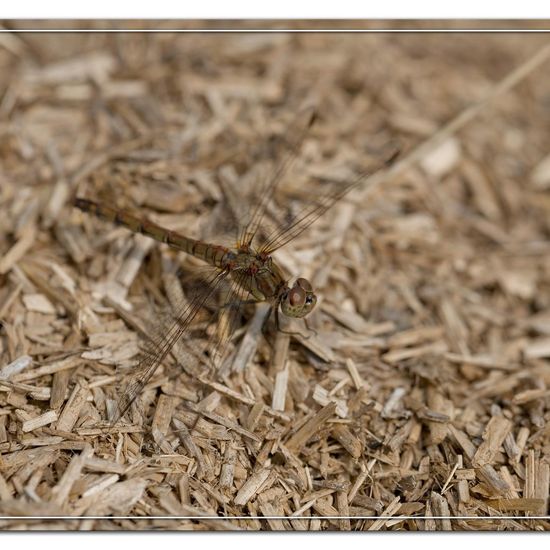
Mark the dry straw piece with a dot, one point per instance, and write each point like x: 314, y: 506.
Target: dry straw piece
x: 418, y: 398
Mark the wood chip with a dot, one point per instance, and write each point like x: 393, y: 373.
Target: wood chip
x: 61, y: 491
x: 493, y: 436
x: 39, y: 421
x: 279, y: 390
x: 69, y: 363
x: 251, y: 486
x: 389, y: 511
x: 442, y: 159
x: 537, y: 481
x: 70, y: 413
x: 15, y: 367
x: 300, y: 438
x: 18, y: 250
x: 347, y: 440
x: 38, y: 303
x: 538, y: 348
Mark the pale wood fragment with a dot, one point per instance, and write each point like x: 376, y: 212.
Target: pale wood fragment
x: 269, y: 510
x: 347, y: 440
x: 540, y: 176
x: 61, y: 491
x: 163, y: 413
x: 39, y: 421
x: 467, y: 473
x: 95, y: 464
x: 493, y: 437
x: 227, y: 423
x: 393, y: 402
x: 532, y: 505
x: 71, y: 411
x: 492, y: 480
x: 530, y: 395
x: 118, y: 498
x: 300, y: 438
x: 58, y: 366
x: 183, y: 489
x: 162, y: 442
x: 343, y: 510
x: 251, y: 486
x: 522, y: 438
x: 323, y: 397
x: 436, y: 401
x: 537, y: 481
x: 509, y: 480
x: 189, y: 443
x: 100, y: 485
x: 479, y: 361
x: 60, y: 386
x: 464, y: 441
x: 415, y: 336
x: 3, y: 433
x: 228, y: 467
x: 354, y: 374
x: 323, y: 508
x: 254, y: 416
x: 440, y: 161
x: 15, y: 367
x: 463, y: 491
x: 38, y: 303
x: 430, y: 523
x: 365, y: 470
x: 249, y: 342
x: 6, y: 492
x: 202, y: 426
x: 279, y: 390
x: 389, y: 511
x: 440, y: 508
x: 538, y: 348
x: 395, y: 356
x: 18, y: 250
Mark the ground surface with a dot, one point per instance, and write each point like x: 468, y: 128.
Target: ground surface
x: 423, y: 392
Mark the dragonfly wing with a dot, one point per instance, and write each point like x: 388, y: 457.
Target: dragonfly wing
x: 228, y: 320
x: 157, y: 349
x: 226, y: 308
x: 314, y: 211
x: 176, y: 329
x: 291, y: 142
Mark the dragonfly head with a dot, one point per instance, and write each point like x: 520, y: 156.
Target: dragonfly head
x: 299, y: 300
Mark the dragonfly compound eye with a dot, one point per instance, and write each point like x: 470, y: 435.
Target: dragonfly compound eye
x: 304, y: 284
x: 296, y: 297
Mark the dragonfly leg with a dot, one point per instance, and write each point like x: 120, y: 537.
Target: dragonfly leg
x: 264, y: 330
x: 315, y: 333
x: 241, y: 303
x: 289, y: 332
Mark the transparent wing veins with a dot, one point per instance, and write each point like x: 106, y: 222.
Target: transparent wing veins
x: 156, y: 352
x: 280, y: 237
x: 251, y: 228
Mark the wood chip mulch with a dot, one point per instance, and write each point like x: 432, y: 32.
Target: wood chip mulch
x: 419, y: 399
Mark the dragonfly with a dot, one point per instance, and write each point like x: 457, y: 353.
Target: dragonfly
x: 248, y: 266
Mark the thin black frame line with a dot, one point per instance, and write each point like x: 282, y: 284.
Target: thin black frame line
x: 373, y: 518
x: 294, y: 31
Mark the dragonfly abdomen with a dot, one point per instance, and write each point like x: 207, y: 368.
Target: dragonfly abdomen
x: 215, y: 255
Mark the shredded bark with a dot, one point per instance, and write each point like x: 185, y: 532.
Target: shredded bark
x: 418, y: 396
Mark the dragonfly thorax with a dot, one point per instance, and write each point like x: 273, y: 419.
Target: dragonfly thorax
x: 265, y: 280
